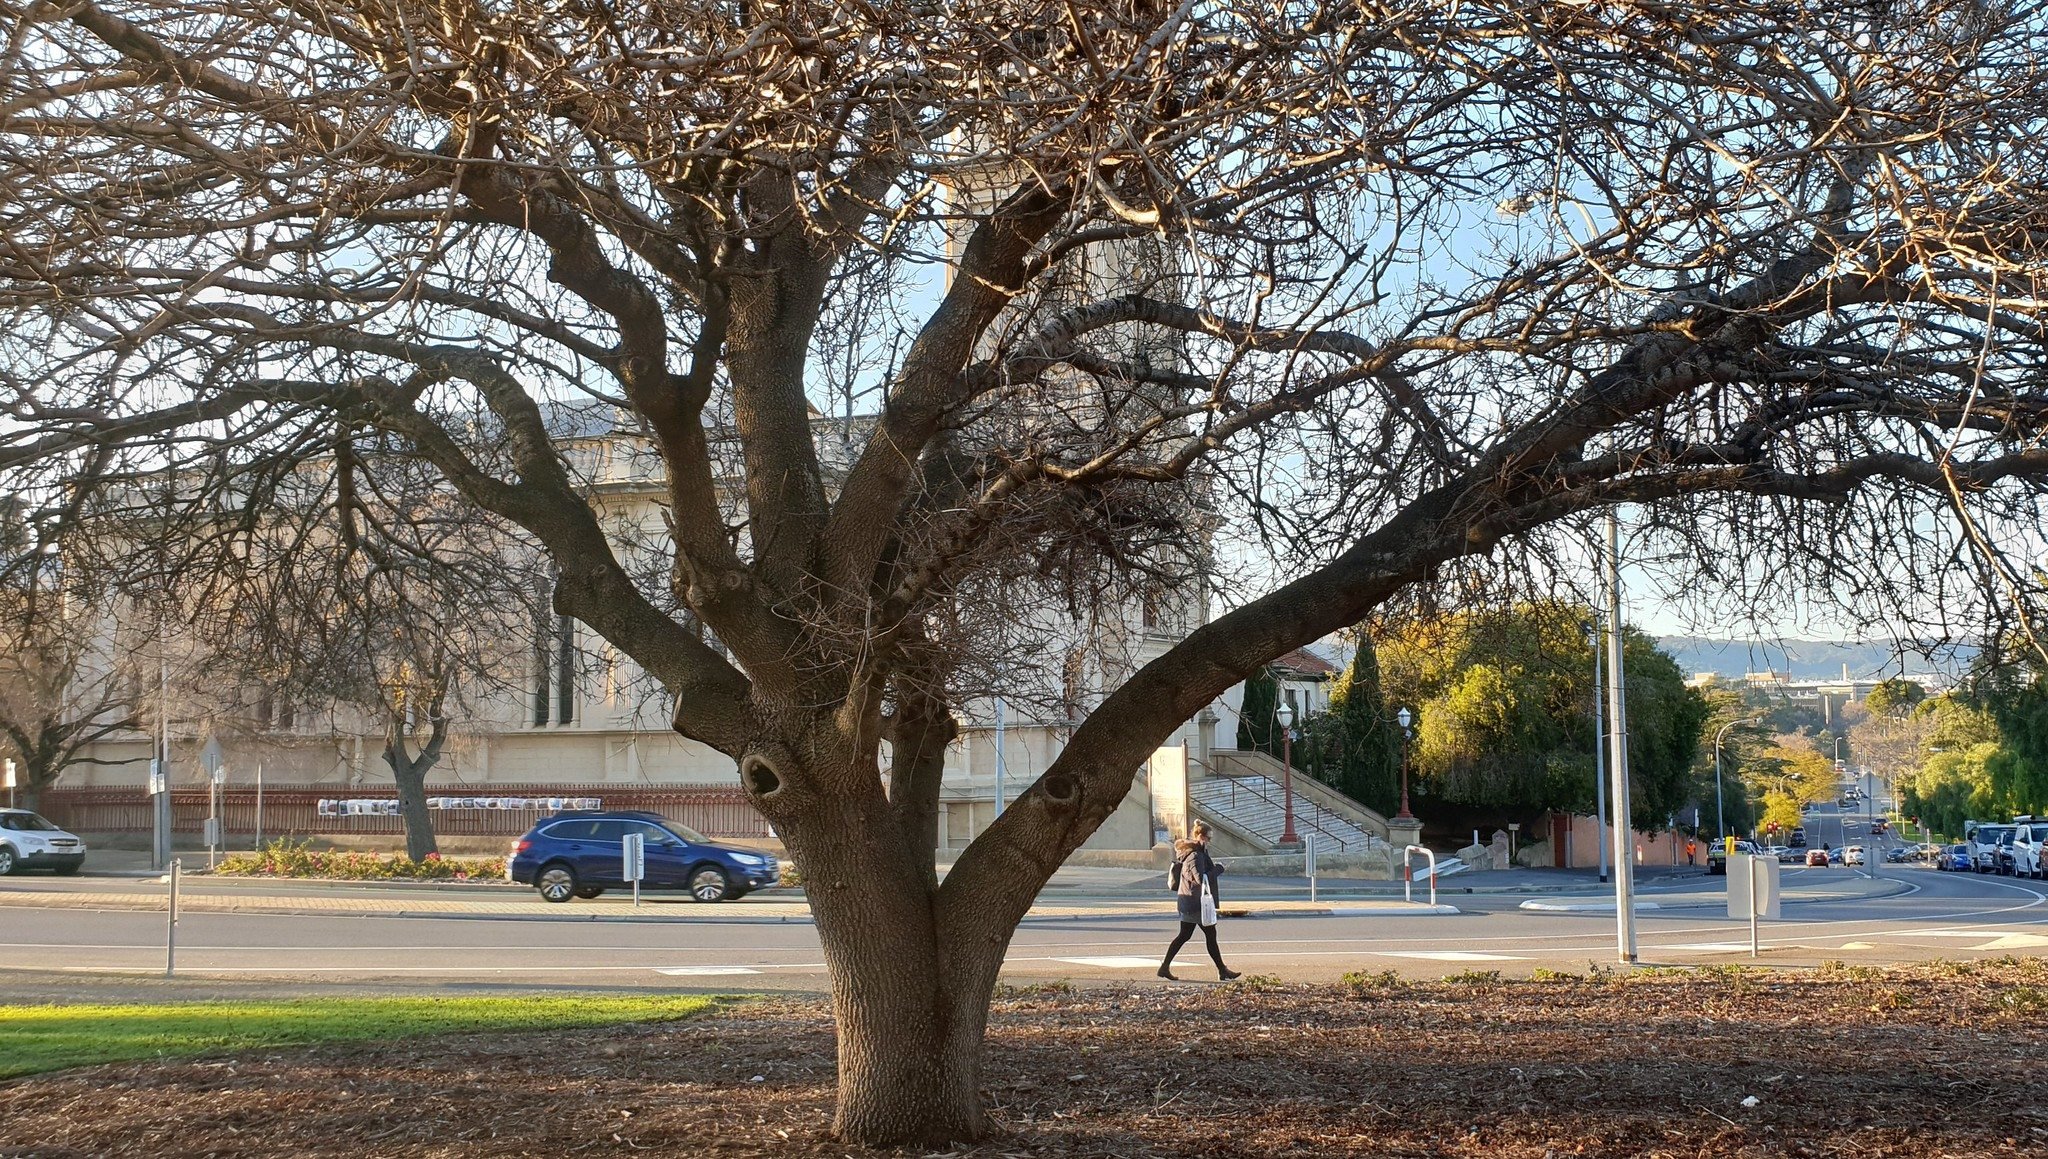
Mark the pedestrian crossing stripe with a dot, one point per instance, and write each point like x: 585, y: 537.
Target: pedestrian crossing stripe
x: 1112, y: 963
x: 704, y: 971
x: 1450, y: 955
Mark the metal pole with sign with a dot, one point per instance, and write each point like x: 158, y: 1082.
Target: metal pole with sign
x: 259, y: 805
x: 160, y: 817
x: 10, y: 784
x: 634, y: 853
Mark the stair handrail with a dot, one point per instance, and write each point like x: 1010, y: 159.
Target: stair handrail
x: 1343, y: 846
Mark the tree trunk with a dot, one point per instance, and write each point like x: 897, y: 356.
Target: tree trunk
x: 410, y: 775
x: 910, y: 1010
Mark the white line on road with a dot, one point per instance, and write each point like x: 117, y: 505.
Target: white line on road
x: 1448, y: 955
x: 704, y: 971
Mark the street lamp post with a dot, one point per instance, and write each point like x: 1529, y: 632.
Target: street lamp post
x: 1285, y: 715
x: 1405, y: 718
x: 1599, y: 748
x: 1720, y: 809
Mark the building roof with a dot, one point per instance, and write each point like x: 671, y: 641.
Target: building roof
x: 1304, y: 663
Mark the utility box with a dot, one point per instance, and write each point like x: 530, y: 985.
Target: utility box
x: 1753, y: 880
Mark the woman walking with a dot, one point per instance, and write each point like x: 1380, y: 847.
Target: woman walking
x: 1196, y: 887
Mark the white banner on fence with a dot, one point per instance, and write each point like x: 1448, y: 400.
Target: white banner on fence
x: 388, y: 806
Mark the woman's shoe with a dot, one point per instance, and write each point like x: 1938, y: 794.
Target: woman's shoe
x: 1227, y: 975
x: 1167, y: 974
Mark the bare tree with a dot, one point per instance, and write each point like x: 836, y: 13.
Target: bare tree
x: 65, y: 686
x: 1403, y: 293
x: 369, y: 590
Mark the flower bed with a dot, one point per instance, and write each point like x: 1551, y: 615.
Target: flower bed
x: 287, y: 858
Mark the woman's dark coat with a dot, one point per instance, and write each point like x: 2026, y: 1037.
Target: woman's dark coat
x: 1195, y: 865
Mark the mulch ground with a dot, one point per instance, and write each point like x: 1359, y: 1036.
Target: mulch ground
x: 1940, y: 1060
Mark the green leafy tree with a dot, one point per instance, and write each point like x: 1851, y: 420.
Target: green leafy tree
x: 1894, y: 698
x: 1368, y: 764
x: 1505, y: 700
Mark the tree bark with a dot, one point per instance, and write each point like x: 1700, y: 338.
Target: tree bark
x: 409, y: 773
x: 909, y: 1005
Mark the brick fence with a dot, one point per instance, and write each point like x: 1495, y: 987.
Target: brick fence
x: 292, y: 810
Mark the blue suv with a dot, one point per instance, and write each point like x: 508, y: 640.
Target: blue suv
x: 582, y: 854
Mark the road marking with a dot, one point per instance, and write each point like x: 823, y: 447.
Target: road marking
x: 704, y: 971
x: 1858, y: 946
x: 1449, y: 956
x: 1112, y: 963
x: 1708, y: 947
x: 2014, y: 942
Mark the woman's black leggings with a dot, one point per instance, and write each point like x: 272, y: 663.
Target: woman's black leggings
x: 1187, y: 930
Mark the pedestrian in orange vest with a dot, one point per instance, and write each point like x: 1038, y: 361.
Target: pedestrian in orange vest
x: 1689, y: 850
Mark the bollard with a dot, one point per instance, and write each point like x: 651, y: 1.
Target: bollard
x: 171, y: 926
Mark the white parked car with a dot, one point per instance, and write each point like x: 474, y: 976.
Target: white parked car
x: 2029, y: 848
x: 1988, y: 846
x: 27, y: 841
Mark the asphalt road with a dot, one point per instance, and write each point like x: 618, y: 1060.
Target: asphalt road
x: 1937, y: 915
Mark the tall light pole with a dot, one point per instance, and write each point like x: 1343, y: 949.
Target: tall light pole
x: 1720, y: 810
x: 1285, y: 715
x: 1405, y: 718
x: 1617, y: 712
x: 1599, y: 746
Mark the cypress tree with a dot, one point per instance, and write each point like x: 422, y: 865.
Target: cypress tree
x: 1257, y: 731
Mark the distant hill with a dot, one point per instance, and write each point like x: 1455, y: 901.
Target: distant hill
x: 1807, y: 659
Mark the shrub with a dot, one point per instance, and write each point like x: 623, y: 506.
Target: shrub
x: 1361, y: 984
x: 1482, y: 979
x: 288, y: 858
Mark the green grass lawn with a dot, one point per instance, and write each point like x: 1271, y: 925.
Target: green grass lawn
x: 41, y: 1038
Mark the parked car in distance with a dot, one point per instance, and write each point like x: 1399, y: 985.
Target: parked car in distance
x: 1789, y: 856
x: 1989, y: 846
x: 1798, y: 839
x: 1817, y: 858
x: 2029, y: 848
x: 1955, y: 859
x: 1897, y: 854
x: 582, y: 854
x: 1834, y: 857
x: 28, y: 841
x: 1717, y: 854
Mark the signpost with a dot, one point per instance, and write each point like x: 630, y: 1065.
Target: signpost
x: 1753, y: 893
x: 213, y: 760
x: 635, y: 854
x: 160, y: 815
x: 10, y: 784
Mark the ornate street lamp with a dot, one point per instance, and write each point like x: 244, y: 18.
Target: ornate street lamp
x: 1406, y: 718
x: 1285, y: 715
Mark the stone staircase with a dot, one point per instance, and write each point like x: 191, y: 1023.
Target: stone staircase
x: 1255, y: 805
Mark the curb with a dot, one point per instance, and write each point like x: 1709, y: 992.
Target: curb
x: 740, y: 918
